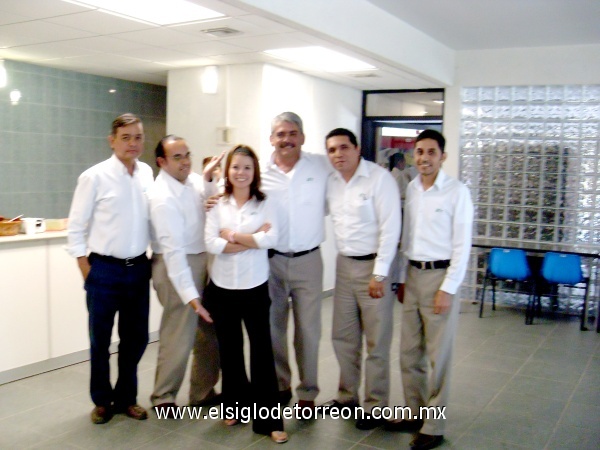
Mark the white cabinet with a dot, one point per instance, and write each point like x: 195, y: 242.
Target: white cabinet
x: 24, y: 330
x: 68, y: 315
x: 43, y: 312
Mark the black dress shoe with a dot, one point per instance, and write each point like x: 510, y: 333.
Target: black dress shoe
x: 368, y: 422
x: 405, y: 426
x: 426, y: 441
x: 339, y: 405
x: 285, y: 396
x: 209, y: 400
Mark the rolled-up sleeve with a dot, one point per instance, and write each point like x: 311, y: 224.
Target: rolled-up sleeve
x: 214, y: 243
x: 268, y: 239
x: 80, y: 215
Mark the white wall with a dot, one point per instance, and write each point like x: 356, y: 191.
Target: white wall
x: 250, y: 95
x: 507, y: 67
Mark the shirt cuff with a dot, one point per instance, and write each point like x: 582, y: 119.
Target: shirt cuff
x: 188, y: 295
x: 381, y: 268
x: 449, y: 286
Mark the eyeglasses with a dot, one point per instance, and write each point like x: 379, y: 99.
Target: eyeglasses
x: 178, y: 158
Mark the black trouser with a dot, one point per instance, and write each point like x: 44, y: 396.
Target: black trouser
x: 229, y: 308
x: 114, y: 287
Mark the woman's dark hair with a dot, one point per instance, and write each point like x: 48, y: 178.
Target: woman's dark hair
x: 244, y: 150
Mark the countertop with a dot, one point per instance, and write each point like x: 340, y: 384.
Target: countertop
x: 33, y: 237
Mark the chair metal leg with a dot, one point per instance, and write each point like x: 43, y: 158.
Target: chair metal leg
x: 493, y: 294
x: 582, y: 326
x: 482, y: 297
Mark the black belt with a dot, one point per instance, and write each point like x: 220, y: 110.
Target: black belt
x: 370, y: 257
x: 128, y: 262
x: 428, y: 265
x: 291, y: 254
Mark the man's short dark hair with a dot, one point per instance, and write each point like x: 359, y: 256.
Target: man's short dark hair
x: 342, y: 132
x: 432, y: 134
x: 159, y: 151
x: 124, y: 120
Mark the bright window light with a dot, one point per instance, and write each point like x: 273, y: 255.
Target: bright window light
x: 320, y: 58
x: 156, y: 12
x: 399, y: 132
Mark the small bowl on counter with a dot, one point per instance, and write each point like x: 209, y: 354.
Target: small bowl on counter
x: 9, y: 228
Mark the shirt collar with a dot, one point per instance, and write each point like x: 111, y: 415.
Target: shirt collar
x: 119, y: 166
x: 361, y: 171
x: 438, y: 183
x: 272, y: 165
x: 175, y: 185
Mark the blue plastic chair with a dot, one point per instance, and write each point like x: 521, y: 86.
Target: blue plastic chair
x: 562, y: 269
x: 508, y: 265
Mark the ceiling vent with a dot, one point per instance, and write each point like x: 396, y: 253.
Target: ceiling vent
x: 221, y: 32
x: 364, y: 75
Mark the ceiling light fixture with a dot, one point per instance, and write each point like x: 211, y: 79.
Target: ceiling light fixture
x: 210, y: 80
x: 320, y: 58
x: 15, y: 96
x: 3, y: 74
x: 439, y: 102
x: 154, y: 12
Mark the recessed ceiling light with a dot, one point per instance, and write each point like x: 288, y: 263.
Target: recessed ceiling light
x: 439, y: 102
x: 155, y: 12
x: 320, y: 58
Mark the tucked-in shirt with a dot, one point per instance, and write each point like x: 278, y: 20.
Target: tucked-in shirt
x: 109, y: 213
x: 366, y: 214
x: 178, y: 218
x: 249, y: 268
x: 300, y: 201
x: 438, y: 224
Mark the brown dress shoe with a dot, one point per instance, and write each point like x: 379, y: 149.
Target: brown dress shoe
x: 306, y: 409
x: 101, y: 414
x: 136, y: 412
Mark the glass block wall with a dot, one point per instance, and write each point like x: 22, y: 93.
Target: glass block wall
x: 530, y: 155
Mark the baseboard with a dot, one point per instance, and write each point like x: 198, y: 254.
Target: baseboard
x: 59, y: 362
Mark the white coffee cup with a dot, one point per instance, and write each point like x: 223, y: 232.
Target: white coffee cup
x: 29, y: 225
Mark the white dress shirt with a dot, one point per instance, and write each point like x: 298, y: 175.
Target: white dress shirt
x: 250, y: 268
x: 177, y: 215
x: 366, y: 214
x: 109, y: 213
x: 438, y: 224
x: 300, y: 201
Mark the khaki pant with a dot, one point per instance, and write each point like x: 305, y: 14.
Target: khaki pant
x: 300, y: 279
x: 356, y: 314
x: 181, y: 330
x: 426, y: 345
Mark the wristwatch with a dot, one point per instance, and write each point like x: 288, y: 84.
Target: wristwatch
x: 379, y: 278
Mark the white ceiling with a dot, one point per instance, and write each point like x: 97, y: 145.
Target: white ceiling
x: 64, y: 35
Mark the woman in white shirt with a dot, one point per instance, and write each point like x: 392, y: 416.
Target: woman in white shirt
x: 239, y: 230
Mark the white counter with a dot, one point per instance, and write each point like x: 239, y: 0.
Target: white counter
x: 43, y: 314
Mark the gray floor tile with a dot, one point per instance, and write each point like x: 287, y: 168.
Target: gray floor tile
x: 513, y: 386
x: 512, y: 429
x: 569, y: 437
x: 582, y: 415
x: 527, y: 405
x: 541, y: 387
x: 475, y: 442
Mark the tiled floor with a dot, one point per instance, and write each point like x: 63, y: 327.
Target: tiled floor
x: 514, y: 386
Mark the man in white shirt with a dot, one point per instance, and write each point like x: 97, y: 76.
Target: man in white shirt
x: 296, y: 181
x: 109, y: 220
x: 436, y: 245
x: 364, y: 205
x: 179, y: 275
